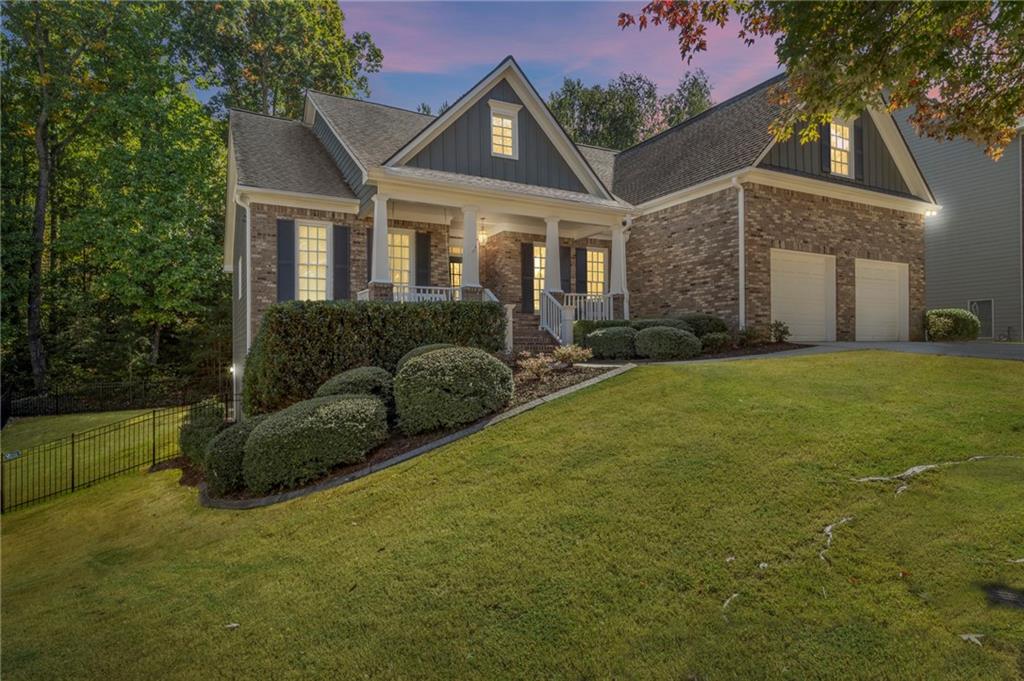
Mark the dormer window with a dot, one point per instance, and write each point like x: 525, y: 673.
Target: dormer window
x: 504, y: 129
x: 841, y: 143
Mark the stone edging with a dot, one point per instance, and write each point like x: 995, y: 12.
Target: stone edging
x: 260, y: 502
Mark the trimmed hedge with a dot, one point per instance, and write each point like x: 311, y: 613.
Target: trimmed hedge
x: 224, y: 455
x: 301, y: 344
x: 666, y: 343
x: 201, y: 423
x: 422, y: 350
x: 584, y: 327
x: 715, y: 342
x: 688, y: 322
x: 362, y: 381
x: 616, y: 342
x: 951, y: 324
x: 641, y: 324
x: 308, y: 439
x: 450, y: 387
x: 703, y: 324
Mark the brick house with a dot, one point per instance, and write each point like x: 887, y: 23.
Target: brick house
x: 491, y: 200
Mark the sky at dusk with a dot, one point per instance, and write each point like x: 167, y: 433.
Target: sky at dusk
x: 435, y: 51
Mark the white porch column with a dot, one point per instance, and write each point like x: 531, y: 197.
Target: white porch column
x: 618, y: 264
x: 552, y: 261
x: 470, y: 248
x: 380, y: 272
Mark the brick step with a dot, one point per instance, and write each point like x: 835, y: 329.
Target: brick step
x: 527, y: 336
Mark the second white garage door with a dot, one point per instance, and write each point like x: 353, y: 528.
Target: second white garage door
x: 804, y: 294
x: 882, y: 300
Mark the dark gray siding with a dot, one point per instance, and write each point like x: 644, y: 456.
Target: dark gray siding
x: 348, y: 167
x: 879, y: 169
x: 238, y: 302
x: 973, y: 245
x: 465, y: 147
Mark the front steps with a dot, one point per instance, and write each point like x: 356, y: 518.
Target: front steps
x: 527, y: 336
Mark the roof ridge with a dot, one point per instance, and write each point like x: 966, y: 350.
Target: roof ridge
x: 713, y: 109
x: 235, y: 109
x: 367, y: 101
x: 596, y: 146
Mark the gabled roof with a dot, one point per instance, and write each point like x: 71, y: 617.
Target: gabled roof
x: 274, y: 153
x: 601, y: 160
x: 727, y: 137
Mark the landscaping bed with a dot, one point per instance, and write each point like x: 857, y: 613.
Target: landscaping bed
x: 754, y: 351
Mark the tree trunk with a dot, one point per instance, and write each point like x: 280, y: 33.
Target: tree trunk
x: 37, y: 352
x: 154, y: 352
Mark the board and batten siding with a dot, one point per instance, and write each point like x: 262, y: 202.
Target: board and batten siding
x: 879, y: 170
x: 973, y: 246
x: 465, y: 147
x: 346, y: 164
x: 239, y: 284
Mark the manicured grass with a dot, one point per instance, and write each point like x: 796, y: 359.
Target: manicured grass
x: 22, y: 433
x: 596, y: 537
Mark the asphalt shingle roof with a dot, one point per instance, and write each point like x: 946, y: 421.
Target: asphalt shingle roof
x: 601, y: 160
x: 725, y: 138
x: 274, y: 153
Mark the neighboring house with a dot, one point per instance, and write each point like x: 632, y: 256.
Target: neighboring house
x: 974, y: 247
x: 492, y: 200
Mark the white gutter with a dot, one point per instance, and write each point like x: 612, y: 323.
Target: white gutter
x: 742, y: 276
x: 244, y: 203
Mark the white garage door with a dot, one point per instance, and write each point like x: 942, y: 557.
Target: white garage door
x: 804, y: 294
x: 882, y: 300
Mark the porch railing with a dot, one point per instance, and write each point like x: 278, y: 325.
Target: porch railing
x: 589, y: 306
x: 555, y: 318
x: 363, y: 295
x: 404, y: 293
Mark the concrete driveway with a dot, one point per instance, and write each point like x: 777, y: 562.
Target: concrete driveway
x: 982, y: 349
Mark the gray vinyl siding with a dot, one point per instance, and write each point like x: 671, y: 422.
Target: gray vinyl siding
x: 465, y: 147
x: 346, y: 164
x: 880, y: 171
x: 239, y: 319
x: 973, y: 246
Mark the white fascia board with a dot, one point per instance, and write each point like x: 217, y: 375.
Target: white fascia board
x: 229, y: 212
x: 901, y: 153
x: 297, y: 199
x: 337, y: 136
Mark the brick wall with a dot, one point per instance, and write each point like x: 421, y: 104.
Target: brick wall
x: 683, y: 259
x: 781, y: 218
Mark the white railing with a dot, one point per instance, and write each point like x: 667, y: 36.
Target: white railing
x: 489, y: 296
x: 590, y: 306
x: 363, y: 295
x: 405, y: 293
x: 556, y: 318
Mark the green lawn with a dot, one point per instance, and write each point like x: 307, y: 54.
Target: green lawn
x: 22, y: 433
x: 596, y: 537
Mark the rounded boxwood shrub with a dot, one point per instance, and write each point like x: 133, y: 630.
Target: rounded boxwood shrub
x: 421, y: 350
x: 224, y: 455
x: 664, y: 343
x: 201, y: 423
x: 616, y: 342
x: 362, y: 381
x: 703, y: 324
x: 641, y: 324
x: 450, y: 387
x: 309, y: 438
x: 952, y: 324
x: 715, y: 342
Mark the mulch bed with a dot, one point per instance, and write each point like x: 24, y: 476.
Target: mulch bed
x: 735, y: 352
x: 525, y: 391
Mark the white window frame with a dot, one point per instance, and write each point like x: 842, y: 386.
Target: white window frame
x: 993, y: 305
x: 511, y: 111
x: 412, y: 253
x: 607, y: 267
x: 848, y: 124
x: 329, y: 291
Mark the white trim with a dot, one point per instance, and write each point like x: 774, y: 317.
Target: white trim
x: 607, y: 269
x: 280, y: 197
x: 848, y: 124
x: 510, y: 111
x: 412, y: 254
x: 248, y: 276
x: 901, y: 154
x: 992, y: 320
x: 341, y: 140
x: 741, y: 251
x: 329, y: 285
x: 510, y: 71
x: 229, y: 213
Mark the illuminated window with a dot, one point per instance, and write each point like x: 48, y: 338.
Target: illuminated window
x: 504, y: 132
x: 841, y: 137
x: 539, y: 253
x: 400, y: 257
x: 312, y: 261
x: 596, y: 278
x: 455, y: 263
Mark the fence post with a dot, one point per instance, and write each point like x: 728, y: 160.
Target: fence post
x: 154, y: 437
x: 72, y: 462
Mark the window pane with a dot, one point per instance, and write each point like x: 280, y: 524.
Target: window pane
x: 399, y: 255
x: 595, y: 271
x: 312, y: 262
x: 539, y: 255
x: 839, y: 141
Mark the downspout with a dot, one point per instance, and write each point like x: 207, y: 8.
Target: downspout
x: 742, y: 275
x: 235, y: 371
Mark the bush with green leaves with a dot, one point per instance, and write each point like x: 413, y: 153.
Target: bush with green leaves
x: 616, y: 342
x: 224, y: 455
x: 666, y: 343
x: 715, y: 343
x: 952, y: 324
x: 754, y: 336
x: 778, y: 331
x: 301, y: 344
x: 641, y: 324
x: 450, y: 387
x: 309, y: 438
x: 584, y: 327
x: 201, y: 423
x: 362, y: 381
x: 703, y: 324
x: 421, y: 350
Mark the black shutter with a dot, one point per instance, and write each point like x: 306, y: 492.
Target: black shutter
x: 423, y: 258
x: 342, y: 263
x: 526, y: 251
x: 581, y: 270
x: 858, y: 149
x: 369, y: 254
x: 564, y: 263
x: 825, y: 140
x: 285, y: 259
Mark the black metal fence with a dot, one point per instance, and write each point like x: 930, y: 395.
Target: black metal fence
x: 114, y: 396
x: 82, y: 459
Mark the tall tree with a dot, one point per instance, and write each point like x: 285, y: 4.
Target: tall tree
x: 262, y: 55
x: 960, y: 65
x: 615, y: 116
x: 691, y: 96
